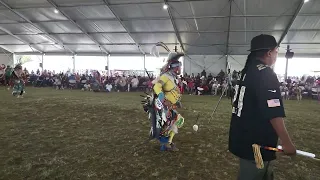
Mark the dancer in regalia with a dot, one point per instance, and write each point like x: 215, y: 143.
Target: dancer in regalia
x: 8, y: 74
x: 162, y: 105
x: 17, y: 78
x: 2, y: 74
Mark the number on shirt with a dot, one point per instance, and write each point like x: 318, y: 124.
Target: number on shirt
x: 240, y: 101
x: 236, y: 88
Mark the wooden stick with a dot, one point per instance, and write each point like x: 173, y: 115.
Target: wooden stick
x: 258, y: 157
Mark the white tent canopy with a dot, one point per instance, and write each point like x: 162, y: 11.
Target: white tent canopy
x: 205, y: 30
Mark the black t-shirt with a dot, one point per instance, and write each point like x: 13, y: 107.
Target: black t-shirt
x: 259, y: 102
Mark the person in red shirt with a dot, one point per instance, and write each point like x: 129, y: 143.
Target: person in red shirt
x: 180, y: 85
x: 190, y: 86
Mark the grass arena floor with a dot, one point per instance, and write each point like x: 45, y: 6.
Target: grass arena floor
x: 71, y: 134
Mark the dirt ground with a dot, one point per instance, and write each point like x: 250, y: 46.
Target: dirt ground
x: 69, y: 134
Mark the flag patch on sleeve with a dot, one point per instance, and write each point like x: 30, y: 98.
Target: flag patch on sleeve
x: 273, y: 103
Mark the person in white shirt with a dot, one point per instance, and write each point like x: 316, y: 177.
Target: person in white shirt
x: 57, y: 83
x: 108, y: 87
x: 225, y: 86
x: 298, y: 92
x: 134, y: 83
x: 215, y: 87
x: 87, y: 87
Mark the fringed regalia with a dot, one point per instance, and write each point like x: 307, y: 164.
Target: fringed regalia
x: 17, y: 78
x: 8, y: 75
x: 163, y: 103
x: 2, y: 73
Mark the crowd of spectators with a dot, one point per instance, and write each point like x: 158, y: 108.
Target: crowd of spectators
x: 90, y: 81
x: 199, y: 84
x: 297, y: 87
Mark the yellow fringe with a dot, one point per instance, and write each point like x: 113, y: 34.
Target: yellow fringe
x: 171, y: 135
x: 257, y: 156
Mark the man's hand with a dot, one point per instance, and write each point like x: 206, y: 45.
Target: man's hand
x: 289, y: 149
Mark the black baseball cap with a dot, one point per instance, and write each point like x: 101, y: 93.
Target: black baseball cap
x: 263, y: 42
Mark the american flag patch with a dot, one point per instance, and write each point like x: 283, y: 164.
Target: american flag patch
x: 273, y: 103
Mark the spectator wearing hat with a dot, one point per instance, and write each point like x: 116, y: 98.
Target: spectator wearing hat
x: 258, y: 112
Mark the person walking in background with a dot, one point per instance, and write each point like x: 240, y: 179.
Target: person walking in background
x: 298, y: 92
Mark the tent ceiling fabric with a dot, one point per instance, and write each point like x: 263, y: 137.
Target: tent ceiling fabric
x: 203, y: 25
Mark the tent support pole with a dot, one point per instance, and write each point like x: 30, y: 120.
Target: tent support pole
x: 144, y: 65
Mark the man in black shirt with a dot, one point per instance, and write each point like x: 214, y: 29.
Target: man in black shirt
x: 258, y: 112
x: 203, y: 73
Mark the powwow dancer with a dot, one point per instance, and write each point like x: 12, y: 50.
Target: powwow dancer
x: 8, y: 73
x: 2, y: 74
x: 162, y: 105
x: 17, y: 78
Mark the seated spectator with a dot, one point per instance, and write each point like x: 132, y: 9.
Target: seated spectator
x: 122, y: 83
x: 108, y: 87
x: 134, y: 83
x: 86, y: 87
x: 190, y: 86
x: 39, y: 81
x: 72, y: 81
x: 57, y: 83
